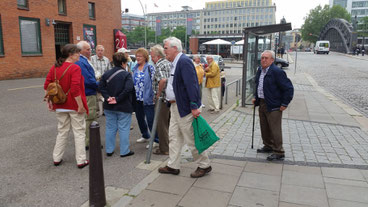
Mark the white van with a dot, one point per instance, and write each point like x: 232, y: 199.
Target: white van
x: 322, y: 46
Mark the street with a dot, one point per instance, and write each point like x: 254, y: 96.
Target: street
x: 28, y: 131
x: 345, y: 76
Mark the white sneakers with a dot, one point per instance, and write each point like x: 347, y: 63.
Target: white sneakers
x: 142, y: 140
x: 155, y: 144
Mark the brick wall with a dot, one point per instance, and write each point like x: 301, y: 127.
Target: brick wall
x: 13, y: 65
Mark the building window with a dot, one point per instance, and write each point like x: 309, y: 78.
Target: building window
x: 91, y: 10
x: 1, y: 40
x: 30, y: 36
x: 22, y: 4
x: 62, y: 7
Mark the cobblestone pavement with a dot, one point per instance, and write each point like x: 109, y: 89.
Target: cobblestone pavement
x: 305, y: 142
x: 345, y: 76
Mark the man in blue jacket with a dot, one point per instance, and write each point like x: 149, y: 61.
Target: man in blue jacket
x: 90, y: 85
x: 274, y: 92
x: 182, y: 92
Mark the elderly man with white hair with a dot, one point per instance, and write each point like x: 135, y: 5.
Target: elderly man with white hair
x: 182, y: 92
x: 90, y: 84
x: 273, y: 95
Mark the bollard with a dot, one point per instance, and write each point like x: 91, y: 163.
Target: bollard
x: 97, y: 197
x: 226, y: 94
x: 153, y: 132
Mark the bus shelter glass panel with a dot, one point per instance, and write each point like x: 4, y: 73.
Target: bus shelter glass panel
x: 251, y: 67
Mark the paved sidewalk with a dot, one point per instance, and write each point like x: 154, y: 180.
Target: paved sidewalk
x: 326, y: 144
x: 241, y: 183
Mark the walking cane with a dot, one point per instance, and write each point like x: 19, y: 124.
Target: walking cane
x: 254, y: 116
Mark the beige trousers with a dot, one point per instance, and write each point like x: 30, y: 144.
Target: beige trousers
x: 180, y: 133
x: 92, y: 108
x: 78, y: 124
x: 213, y: 98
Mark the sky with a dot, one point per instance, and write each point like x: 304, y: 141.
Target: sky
x: 294, y: 11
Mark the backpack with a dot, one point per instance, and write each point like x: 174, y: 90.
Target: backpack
x: 54, y: 92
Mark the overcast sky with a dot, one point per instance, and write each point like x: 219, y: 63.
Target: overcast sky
x: 294, y: 11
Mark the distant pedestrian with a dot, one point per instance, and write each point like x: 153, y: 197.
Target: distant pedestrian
x: 363, y: 50
x: 162, y: 67
x: 131, y: 63
x: 90, y: 84
x: 282, y: 52
x: 274, y: 92
x: 71, y: 113
x: 213, y: 85
x: 117, y: 88
x: 100, y: 64
x: 182, y: 92
x: 200, y: 73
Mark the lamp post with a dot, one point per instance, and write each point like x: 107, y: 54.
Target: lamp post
x: 145, y: 25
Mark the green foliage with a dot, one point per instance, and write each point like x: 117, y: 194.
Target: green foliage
x: 135, y: 38
x: 318, y: 18
x: 363, y: 26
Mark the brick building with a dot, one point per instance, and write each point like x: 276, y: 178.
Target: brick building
x: 33, y: 31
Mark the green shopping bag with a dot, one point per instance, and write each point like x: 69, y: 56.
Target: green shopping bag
x: 204, y: 136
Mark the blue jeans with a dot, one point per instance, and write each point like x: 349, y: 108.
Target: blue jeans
x: 143, y: 112
x: 117, y: 121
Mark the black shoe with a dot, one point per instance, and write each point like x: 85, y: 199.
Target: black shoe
x: 129, y: 154
x: 110, y: 154
x: 264, y: 150
x: 275, y: 157
x: 58, y: 163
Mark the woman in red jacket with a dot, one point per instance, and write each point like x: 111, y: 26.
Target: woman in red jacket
x: 70, y: 113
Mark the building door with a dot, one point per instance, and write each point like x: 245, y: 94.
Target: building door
x: 62, y: 36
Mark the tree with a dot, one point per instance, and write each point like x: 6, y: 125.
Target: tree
x: 363, y: 28
x: 318, y: 18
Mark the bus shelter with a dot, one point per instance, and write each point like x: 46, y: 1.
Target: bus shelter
x: 256, y: 40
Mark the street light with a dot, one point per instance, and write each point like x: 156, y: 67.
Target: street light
x: 145, y: 25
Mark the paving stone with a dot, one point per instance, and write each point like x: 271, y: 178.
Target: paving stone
x: 177, y: 185
x: 348, y: 193
x: 264, y: 168
x: 303, y: 195
x: 356, y: 183
x: 302, y: 179
x: 218, y: 182
x: 341, y: 203
x: 283, y: 204
x: 260, y: 181
x: 230, y: 162
x: 226, y: 169
x: 150, y: 198
x: 204, y: 197
x: 342, y: 173
x: 244, y: 197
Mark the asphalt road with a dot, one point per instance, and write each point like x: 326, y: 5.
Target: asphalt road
x: 27, y: 133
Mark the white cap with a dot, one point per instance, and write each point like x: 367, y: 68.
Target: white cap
x: 123, y: 50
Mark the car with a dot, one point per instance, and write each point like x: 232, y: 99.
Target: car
x: 307, y: 49
x: 203, y: 59
x: 281, y: 63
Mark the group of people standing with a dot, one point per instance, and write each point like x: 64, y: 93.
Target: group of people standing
x: 123, y: 88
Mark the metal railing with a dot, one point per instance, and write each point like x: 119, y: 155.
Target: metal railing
x: 237, y: 88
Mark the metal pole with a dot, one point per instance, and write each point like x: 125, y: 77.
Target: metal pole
x: 153, y: 132
x: 226, y: 89
x: 97, y: 196
x: 236, y: 90
x: 145, y: 27
x: 254, y: 117
x: 296, y: 59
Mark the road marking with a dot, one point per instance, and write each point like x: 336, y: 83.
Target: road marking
x: 14, y: 89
